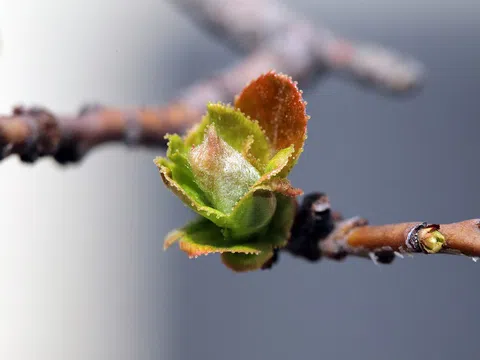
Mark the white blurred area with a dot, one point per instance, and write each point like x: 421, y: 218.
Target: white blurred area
x: 72, y: 280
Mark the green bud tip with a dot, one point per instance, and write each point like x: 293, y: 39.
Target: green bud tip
x: 431, y: 240
x: 220, y: 171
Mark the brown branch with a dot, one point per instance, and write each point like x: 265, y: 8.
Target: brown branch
x: 36, y: 132
x: 244, y: 25
x: 319, y: 232
x: 461, y: 238
x: 278, y: 40
x: 251, y: 24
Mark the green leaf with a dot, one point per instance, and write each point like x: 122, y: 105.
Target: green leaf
x: 277, y: 164
x: 252, y: 213
x: 279, y: 228
x: 180, y: 169
x: 246, y: 262
x: 237, y: 130
x: 221, y: 172
x: 276, y: 102
x: 176, y: 148
x: 203, y: 237
x: 188, y: 196
x: 276, y: 236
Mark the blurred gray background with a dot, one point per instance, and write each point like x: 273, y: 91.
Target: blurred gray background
x: 82, y: 271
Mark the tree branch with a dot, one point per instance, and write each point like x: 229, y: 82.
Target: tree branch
x: 318, y: 232
x: 36, y: 132
x: 243, y: 25
x: 277, y: 40
x: 461, y: 238
x: 250, y: 24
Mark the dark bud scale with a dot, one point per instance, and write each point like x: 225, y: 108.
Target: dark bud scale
x: 313, y: 222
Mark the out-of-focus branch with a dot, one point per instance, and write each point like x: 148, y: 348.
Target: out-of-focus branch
x: 35, y: 132
x: 244, y: 25
x: 251, y: 24
x: 277, y: 40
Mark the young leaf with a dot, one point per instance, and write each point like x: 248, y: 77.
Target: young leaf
x: 252, y: 213
x: 282, y: 221
x: 275, y: 101
x: 275, y: 236
x: 180, y: 169
x: 246, y: 262
x: 203, y: 237
x: 231, y: 169
x: 237, y: 130
x: 188, y: 197
x: 223, y: 174
x: 276, y: 164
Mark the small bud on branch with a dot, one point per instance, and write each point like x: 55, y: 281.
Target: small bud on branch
x: 356, y: 238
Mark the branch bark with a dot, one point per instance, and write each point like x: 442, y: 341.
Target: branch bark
x: 275, y: 39
x: 319, y: 232
x: 250, y: 24
x: 35, y: 132
x: 461, y: 238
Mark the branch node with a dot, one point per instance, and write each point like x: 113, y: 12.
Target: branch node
x: 412, y: 241
x: 335, y: 245
x: 425, y: 238
x: 313, y: 223
x: 43, y: 133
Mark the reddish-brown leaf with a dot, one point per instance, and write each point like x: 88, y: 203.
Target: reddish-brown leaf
x: 276, y: 102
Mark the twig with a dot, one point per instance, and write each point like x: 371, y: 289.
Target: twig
x: 318, y: 232
x: 35, y: 132
x: 251, y: 24
x: 278, y: 40
x: 244, y: 25
x: 461, y: 238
